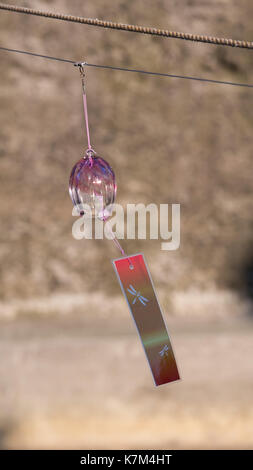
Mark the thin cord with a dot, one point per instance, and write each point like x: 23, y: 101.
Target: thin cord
x: 85, y: 107
x: 118, y: 245
x: 157, y: 74
x: 86, y: 119
x: 37, y: 55
x: 184, y: 77
x: 131, y: 28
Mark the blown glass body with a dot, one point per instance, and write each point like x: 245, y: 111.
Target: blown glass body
x: 92, y: 187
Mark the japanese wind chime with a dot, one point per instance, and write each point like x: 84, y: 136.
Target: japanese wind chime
x: 92, y: 185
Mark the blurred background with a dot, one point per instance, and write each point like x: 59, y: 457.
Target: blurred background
x: 73, y: 372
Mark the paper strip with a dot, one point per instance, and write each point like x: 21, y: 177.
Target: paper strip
x: 138, y: 289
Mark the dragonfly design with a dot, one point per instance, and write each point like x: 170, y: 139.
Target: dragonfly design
x: 164, y: 351
x: 137, y: 295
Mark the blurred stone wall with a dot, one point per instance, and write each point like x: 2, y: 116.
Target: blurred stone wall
x: 168, y: 140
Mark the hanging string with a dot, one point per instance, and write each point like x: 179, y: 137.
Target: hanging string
x: 81, y: 65
x: 118, y: 245
x: 91, y: 153
x: 86, y: 119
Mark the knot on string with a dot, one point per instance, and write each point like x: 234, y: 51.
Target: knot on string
x: 90, y: 153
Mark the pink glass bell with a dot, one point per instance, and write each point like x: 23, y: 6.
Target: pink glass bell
x: 92, y: 183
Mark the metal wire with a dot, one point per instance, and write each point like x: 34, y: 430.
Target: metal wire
x: 131, y: 28
x: 7, y: 49
x: 122, y: 69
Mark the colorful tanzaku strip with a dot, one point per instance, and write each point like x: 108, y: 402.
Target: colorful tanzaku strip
x: 138, y: 289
